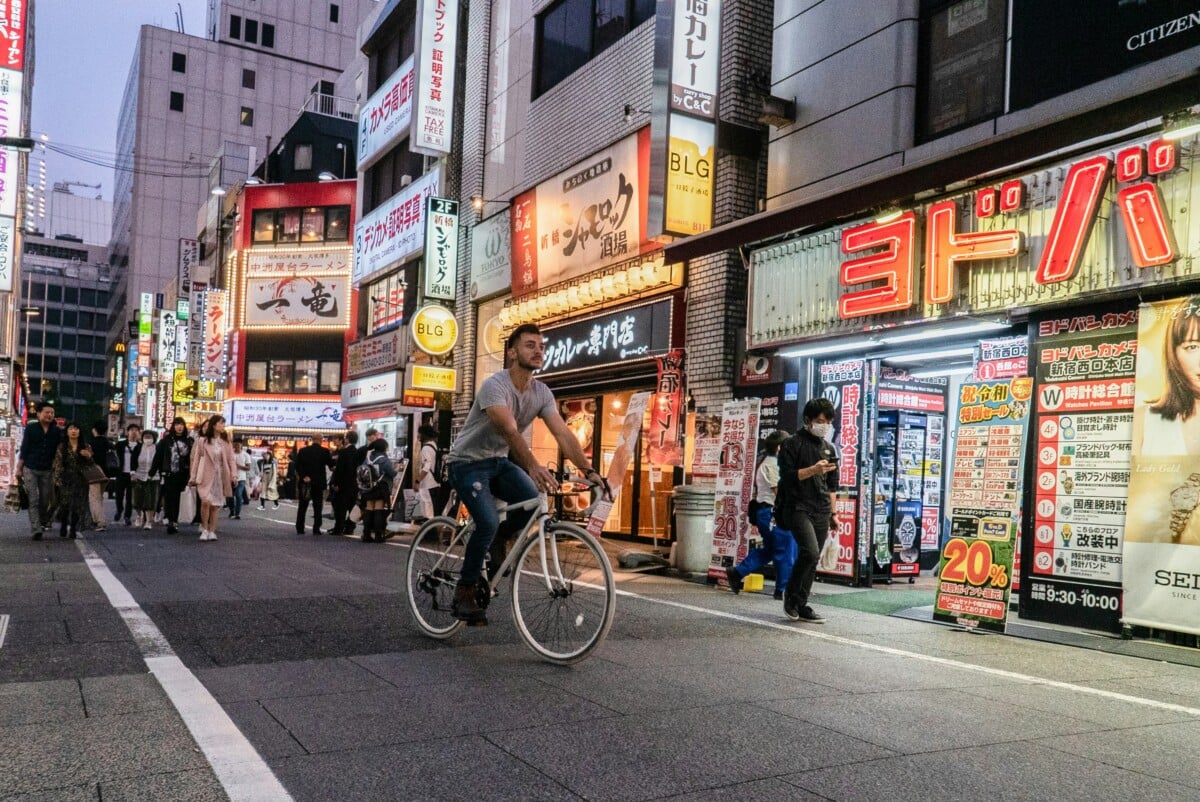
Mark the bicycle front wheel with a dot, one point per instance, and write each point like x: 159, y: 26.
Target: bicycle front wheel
x: 435, y: 561
x: 563, y: 594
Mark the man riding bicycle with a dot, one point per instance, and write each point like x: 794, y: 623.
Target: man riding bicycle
x: 490, y: 458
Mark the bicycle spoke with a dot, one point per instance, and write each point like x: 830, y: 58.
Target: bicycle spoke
x: 431, y: 574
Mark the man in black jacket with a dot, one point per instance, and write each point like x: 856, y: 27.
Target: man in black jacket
x: 126, y: 466
x: 804, y: 505
x: 311, y: 462
x: 343, y: 483
x: 35, y: 463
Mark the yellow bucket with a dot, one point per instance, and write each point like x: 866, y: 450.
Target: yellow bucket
x: 752, y: 583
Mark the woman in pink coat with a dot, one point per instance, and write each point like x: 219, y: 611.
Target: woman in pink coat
x: 214, y: 473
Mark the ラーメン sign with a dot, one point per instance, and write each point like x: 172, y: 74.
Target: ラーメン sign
x: 434, y: 329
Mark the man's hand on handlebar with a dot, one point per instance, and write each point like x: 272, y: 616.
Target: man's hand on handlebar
x: 543, y: 478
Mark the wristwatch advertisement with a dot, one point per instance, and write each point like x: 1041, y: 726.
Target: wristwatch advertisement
x: 1184, y: 500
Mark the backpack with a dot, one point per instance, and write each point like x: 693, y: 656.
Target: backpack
x: 369, y: 475
x: 439, y: 464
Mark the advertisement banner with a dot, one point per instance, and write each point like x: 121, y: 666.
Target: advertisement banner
x: 584, y: 218
x: 310, y: 301
x: 212, y: 367
x: 1081, y: 476
x: 691, y: 158
x: 376, y: 354
x: 10, y: 188
x: 664, y: 437
x: 335, y: 261
x: 291, y: 415
x: 844, y: 385
x: 706, y: 452
x: 195, y: 332
x: 189, y: 257
x: 183, y: 389
x: 12, y: 122
x: 8, y: 244
x: 735, y: 485
x: 372, y: 390
x: 695, y: 57
x: 14, y: 16
x: 441, y: 253
x: 491, y: 257
x: 395, y: 230
x: 624, y: 335
x: 974, y: 578
x: 622, y: 458
x: 1161, y: 560
x: 7, y: 465
x: 1002, y: 358
x: 167, y: 333
x: 432, y: 126
x: 386, y: 115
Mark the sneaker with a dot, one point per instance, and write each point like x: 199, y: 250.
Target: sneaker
x: 466, y: 606
x: 811, y: 616
x: 735, y: 580
x: 172, y: 529
x: 204, y: 534
x: 37, y: 535
x: 791, y: 609
x: 147, y: 525
x: 117, y: 517
x: 212, y: 535
x: 128, y: 522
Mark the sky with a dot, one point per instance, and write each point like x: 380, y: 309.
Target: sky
x: 83, y: 52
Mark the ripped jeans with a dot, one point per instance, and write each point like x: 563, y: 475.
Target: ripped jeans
x: 478, y: 485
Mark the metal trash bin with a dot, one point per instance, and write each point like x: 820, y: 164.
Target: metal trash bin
x: 695, y: 508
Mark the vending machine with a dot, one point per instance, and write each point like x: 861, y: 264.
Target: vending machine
x: 900, y: 468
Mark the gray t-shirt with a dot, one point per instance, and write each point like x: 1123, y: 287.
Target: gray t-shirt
x: 479, y: 438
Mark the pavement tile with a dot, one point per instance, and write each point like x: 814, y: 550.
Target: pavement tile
x: 88, y: 792
x: 270, y: 738
x: 346, y: 720
x: 199, y: 785
x: 1064, y: 663
x: 440, y: 770
x: 627, y: 690
x: 774, y: 790
x: 288, y: 679
x: 1167, y: 751
x: 913, y: 720
x: 196, y: 621
x: 36, y: 702
x: 259, y: 649
x: 447, y: 663
x: 1014, y: 772
x: 24, y: 633
x: 651, y: 652
x: 64, y: 661
x: 37, y: 756
x: 1175, y: 685
x: 672, y: 752
x: 121, y: 695
x: 87, y: 623
x: 1109, y: 712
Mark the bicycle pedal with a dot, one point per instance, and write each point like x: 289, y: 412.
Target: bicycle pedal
x: 481, y: 622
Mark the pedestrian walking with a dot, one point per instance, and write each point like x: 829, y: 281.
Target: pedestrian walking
x: 35, y: 466
x: 804, y: 504
x: 173, y: 462
x: 125, y: 447
x: 243, y: 462
x: 145, y: 481
x: 311, y: 462
x: 101, y: 450
x: 427, y: 480
x: 71, y: 460
x: 777, y: 544
x: 214, y: 474
x: 343, y: 487
x: 375, y: 478
x: 268, y: 468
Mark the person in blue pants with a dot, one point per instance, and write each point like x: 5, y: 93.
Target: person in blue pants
x: 777, y: 544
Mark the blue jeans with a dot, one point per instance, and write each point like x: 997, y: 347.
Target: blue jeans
x: 777, y: 544
x: 478, y: 485
x: 235, y: 504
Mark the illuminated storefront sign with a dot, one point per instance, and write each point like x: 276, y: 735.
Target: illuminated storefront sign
x: 418, y: 398
x: 372, y: 389
x: 441, y: 252
x: 385, y: 117
x: 395, y: 230
x: 436, y: 51
x: 8, y: 238
x: 617, y: 337
x: 167, y: 332
x: 427, y: 377
x: 195, y: 332
x: 310, y: 301
x: 322, y: 262
x: 189, y: 257
x: 215, y: 328
x: 279, y: 414
x: 373, y: 354
x: 1108, y: 222
x: 491, y: 257
x: 435, y: 331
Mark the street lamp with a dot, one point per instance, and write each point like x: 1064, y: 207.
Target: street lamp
x: 342, y: 147
x: 325, y: 175
x: 21, y: 143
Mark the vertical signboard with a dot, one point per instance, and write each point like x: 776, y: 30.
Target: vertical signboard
x: 386, y: 116
x: 843, y: 384
x: 491, y: 255
x: 189, y: 256
x: 1084, y: 370
x: 666, y: 421
x: 687, y: 59
x: 167, y: 329
x: 145, y: 332
x: 8, y: 238
x: 195, y: 332
x: 622, y: 458
x: 436, y: 52
x: 441, y: 247
x: 735, y: 485
x: 1161, y: 561
x: 974, y: 579
x: 14, y: 22
x: 215, y: 313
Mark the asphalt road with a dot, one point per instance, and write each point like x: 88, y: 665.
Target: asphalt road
x: 269, y: 665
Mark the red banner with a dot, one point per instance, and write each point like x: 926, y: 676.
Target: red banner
x: 666, y: 426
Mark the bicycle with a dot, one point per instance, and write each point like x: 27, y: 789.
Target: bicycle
x: 563, y: 591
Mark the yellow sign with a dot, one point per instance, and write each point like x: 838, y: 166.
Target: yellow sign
x: 690, y: 161
x: 427, y: 377
x: 184, y: 390
x: 206, y: 389
x: 435, y: 331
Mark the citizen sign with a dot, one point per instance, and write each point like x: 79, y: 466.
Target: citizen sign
x: 891, y: 262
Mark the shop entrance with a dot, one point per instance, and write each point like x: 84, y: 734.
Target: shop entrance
x: 641, y: 510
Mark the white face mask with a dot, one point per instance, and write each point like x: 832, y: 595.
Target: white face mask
x: 147, y: 442
x: 822, y: 430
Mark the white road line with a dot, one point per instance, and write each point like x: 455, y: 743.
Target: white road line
x: 242, y: 772
x: 3, y: 629
x: 796, y: 629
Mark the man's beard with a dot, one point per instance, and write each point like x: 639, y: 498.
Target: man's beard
x: 526, y: 365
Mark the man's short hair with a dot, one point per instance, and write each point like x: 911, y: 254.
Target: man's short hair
x: 43, y: 405
x: 817, y: 407
x: 515, y: 337
x: 372, y: 431
x: 133, y: 426
x: 351, y: 437
x: 426, y: 432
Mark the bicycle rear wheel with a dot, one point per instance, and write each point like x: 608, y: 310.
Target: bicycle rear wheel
x: 434, y: 563
x: 563, y: 594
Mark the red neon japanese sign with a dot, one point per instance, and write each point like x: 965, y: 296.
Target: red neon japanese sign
x: 889, y: 264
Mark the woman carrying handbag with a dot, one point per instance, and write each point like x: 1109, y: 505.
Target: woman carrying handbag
x: 70, y: 484
x: 173, y: 461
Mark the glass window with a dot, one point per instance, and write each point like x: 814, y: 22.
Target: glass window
x: 337, y: 223
x: 86, y: 343
x: 331, y: 377
x: 312, y: 228
x: 248, y: 79
x: 268, y: 35
x: 251, y: 31
x: 281, y: 377
x: 52, y: 340
x: 71, y: 295
x: 87, y: 298
x: 961, y: 64
x: 610, y: 22
x: 53, y: 317
x: 642, y: 10
x: 302, y: 157
x: 264, y: 225
x: 54, y: 293
x: 103, y: 299
x: 66, y: 389
x: 66, y: 364
x: 70, y: 318
x: 564, y: 41
x: 177, y: 101
x: 51, y: 364
x: 247, y: 117
x: 68, y: 341
x: 37, y: 291
x: 290, y: 229
x: 87, y: 320
x: 178, y: 62
x: 101, y: 322
x: 98, y: 368
x: 306, y: 376
x: 235, y: 26
x: 333, y: 12
x: 386, y: 310
x: 256, y: 377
